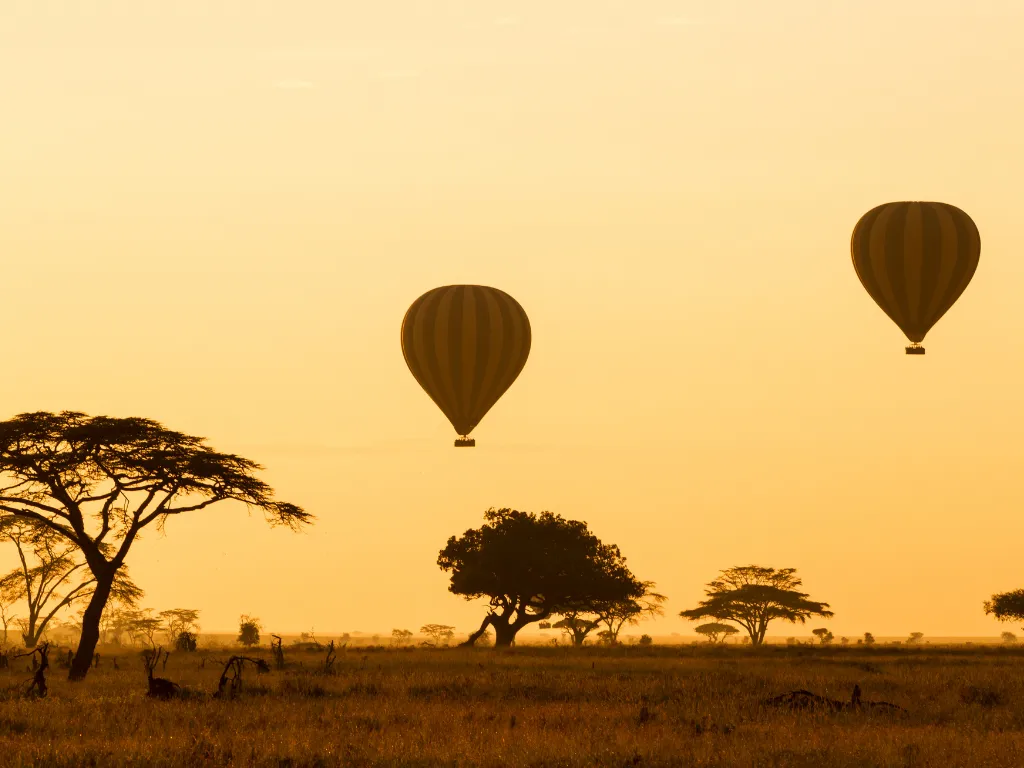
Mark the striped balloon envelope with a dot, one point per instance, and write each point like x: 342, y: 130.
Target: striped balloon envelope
x: 915, y: 259
x: 465, y: 345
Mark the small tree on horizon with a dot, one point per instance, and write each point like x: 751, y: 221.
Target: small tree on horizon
x: 1008, y: 638
x: 576, y: 627
x: 99, y: 482
x: 915, y: 638
x: 249, y: 630
x: 439, y: 634
x: 400, y: 637
x: 180, y: 621
x: 869, y: 639
x: 824, y: 636
x: 630, y: 611
x: 752, y: 596
x: 716, y: 632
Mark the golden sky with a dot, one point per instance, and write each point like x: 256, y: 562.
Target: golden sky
x: 215, y: 213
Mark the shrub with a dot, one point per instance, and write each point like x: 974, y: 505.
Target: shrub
x: 249, y: 631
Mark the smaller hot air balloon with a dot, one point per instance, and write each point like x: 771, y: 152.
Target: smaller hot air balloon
x: 465, y: 345
x: 915, y: 259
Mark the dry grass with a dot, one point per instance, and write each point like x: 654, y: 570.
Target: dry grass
x: 679, y: 706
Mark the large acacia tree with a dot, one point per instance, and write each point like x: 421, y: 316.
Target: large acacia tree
x: 530, y: 566
x: 752, y: 596
x: 97, y: 482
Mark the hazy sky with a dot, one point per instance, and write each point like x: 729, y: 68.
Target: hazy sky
x: 215, y: 213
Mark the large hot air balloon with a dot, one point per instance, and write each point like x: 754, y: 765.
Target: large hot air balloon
x: 465, y: 344
x: 915, y: 259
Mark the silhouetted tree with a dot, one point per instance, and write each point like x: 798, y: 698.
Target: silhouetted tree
x: 1008, y: 637
x: 47, y: 574
x: 824, y: 636
x: 530, y: 566
x: 438, y: 633
x: 400, y: 636
x: 619, y: 613
x: 140, y: 625
x: 576, y: 627
x: 98, y: 482
x: 1006, y: 606
x: 869, y: 639
x: 249, y: 630
x: 179, y: 621
x: 753, y: 596
x: 716, y: 632
x: 915, y: 638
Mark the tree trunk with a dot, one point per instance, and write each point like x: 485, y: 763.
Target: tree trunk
x: 479, y: 633
x: 91, y: 627
x: 504, y: 634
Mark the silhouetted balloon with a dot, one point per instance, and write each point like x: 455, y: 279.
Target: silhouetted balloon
x: 915, y: 259
x: 465, y: 344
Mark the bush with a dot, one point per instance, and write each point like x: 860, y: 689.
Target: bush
x: 646, y: 640
x: 186, y: 641
x: 249, y: 631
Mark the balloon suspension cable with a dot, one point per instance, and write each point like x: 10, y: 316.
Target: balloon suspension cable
x: 915, y: 349
x: 465, y: 442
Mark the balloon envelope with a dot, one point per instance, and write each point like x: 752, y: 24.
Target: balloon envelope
x: 915, y: 259
x: 465, y: 345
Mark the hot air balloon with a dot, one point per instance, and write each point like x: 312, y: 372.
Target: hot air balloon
x: 465, y: 345
x: 915, y: 259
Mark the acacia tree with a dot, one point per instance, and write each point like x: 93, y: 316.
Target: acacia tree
x: 45, y: 580
x: 752, y: 596
x: 400, y: 636
x: 180, y: 621
x: 530, y: 566
x: 139, y: 625
x: 98, y: 482
x: 438, y: 633
x: 576, y: 626
x: 1006, y: 606
x: 620, y: 613
x: 824, y: 636
x: 716, y: 632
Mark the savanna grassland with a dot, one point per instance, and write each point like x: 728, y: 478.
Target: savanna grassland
x: 532, y: 706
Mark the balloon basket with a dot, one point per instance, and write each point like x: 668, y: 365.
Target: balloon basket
x: 915, y: 349
x: 465, y: 442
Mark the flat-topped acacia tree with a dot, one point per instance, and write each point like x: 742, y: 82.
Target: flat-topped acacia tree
x: 98, y: 481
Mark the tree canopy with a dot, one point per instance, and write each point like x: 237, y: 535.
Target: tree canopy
x: 576, y: 626
x: 1006, y: 606
x: 439, y: 634
x: 716, y: 632
x: 97, y: 482
x: 753, y: 596
x: 530, y: 566
x: 179, y: 621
